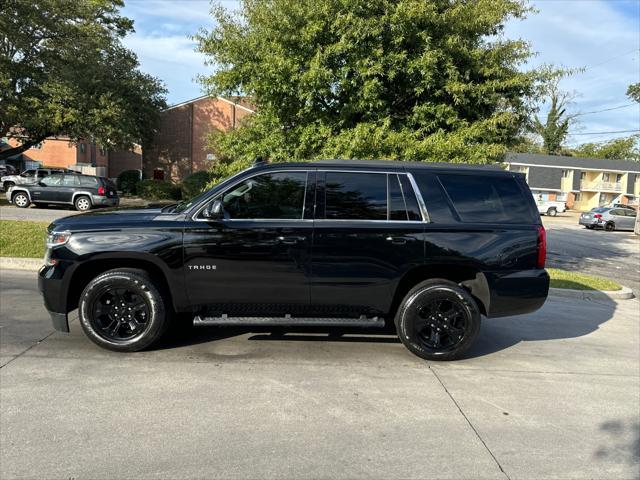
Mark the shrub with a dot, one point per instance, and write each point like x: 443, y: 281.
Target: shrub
x: 195, y: 184
x: 128, y: 180
x: 158, y: 190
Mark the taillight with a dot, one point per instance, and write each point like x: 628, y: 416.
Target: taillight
x: 597, y: 215
x: 542, y: 247
x: 100, y: 190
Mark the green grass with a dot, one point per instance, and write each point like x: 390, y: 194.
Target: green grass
x: 22, y: 239
x: 580, y: 281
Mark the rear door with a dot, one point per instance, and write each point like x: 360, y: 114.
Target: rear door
x: 367, y: 234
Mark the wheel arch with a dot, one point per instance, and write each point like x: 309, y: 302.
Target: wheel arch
x: 81, y: 193
x: 17, y: 190
x: 88, y: 270
x: 472, y: 279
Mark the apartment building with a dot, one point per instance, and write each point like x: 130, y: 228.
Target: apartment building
x: 583, y: 183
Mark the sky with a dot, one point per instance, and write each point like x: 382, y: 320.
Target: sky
x: 601, y: 36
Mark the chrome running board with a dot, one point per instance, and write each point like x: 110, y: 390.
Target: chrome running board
x: 288, y: 320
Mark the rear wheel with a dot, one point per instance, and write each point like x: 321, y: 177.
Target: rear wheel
x: 82, y: 203
x: 438, y: 320
x: 610, y: 226
x: 21, y: 200
x: 552, y: 212
x: 123, y: 310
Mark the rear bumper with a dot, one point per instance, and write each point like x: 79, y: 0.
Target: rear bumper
x: 589, y: 222
x: 511, y: 293
x: 102, y: 201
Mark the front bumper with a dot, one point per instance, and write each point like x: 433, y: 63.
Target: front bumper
x: 50, y: 284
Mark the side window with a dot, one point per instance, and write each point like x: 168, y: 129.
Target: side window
x: 88, y: 182
x: 617, y: 212
x: 271, y: 196
x: 397, y: 209
x: 42, y: 173
x: 70, y: 181
x: 413, y: 210
x: 487, y: 198
x: 52, y: 181
x: 28, y: 173
x: 355, y: 196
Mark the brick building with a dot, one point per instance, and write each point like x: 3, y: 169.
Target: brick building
x: 60, y: 152
x: 179, y: 148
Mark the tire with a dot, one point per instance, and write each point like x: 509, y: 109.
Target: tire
x: 21, y: 200
x: 82, y: 203
x: 552, y: 212
x: 123, y: 310
x: 415, y: 312
x: 609, y: 226
x: 589, y: 227
x: 8, y: 185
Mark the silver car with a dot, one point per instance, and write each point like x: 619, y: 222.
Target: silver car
x: 609, y: 218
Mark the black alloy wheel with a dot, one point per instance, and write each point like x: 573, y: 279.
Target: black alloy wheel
x: 438, y: 320
x: 120, y: 314
x: 123, y: 310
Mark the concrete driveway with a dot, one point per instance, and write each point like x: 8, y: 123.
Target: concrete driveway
x: 553, y: 394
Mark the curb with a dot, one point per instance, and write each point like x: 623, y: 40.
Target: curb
x: 16, y: 263
x: 624, y: 294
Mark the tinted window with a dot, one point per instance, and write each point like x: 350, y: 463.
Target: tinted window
x: 28, y: 173
x: 43, y: 173
x: 397, y: 209
x: 52, y: 180
x: 268, y: 196
x: 355, y: 196
x: 70, y: 181
x: 88, y: 181
x: 617, y: 212
x: 413, y: 210
x: 487, y: 199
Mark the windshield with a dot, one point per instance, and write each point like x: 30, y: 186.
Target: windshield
x: 599, y: 210
x: 182, y: 206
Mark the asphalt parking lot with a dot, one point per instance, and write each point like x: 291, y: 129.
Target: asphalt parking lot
x: 554, y: 394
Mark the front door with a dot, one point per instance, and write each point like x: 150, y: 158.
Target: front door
x: 255, y: 261
x: 368, y: 233
x: 47, y: 189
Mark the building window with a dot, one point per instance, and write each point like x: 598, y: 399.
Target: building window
x: 618, y: 178
x: 583, y: 175
x: 605, y: 177
x: 103, y: 151
x: 578, y: 197
x: 82, y: 148
x: 565, y: 173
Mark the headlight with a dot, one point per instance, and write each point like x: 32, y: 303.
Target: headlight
x: 56, y: 239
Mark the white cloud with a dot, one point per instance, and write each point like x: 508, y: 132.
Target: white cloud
x: 597, y: 35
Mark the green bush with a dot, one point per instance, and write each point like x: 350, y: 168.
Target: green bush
x: 158, y: 190
x: 128, y: 180
x: 195, y: 184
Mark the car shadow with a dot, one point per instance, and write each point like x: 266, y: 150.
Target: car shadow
x: 559, y: 321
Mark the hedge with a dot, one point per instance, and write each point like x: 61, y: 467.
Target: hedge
x: 158, y: 190
x: 128, y: 180
x: 195, y: 184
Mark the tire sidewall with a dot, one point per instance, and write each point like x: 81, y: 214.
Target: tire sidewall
x: 145, y: 288
x: 26, y: 197
x: 433, y: 288
x: 77, y: 200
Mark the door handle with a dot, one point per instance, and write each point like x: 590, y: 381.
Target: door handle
x: 290, y: 240
x: 396, y: 240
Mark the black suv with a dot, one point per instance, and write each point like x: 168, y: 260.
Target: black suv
x: 81, y: 191
x: 423, y: 248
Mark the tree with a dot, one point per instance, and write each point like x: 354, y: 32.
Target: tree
x: 64, y: 71
x: 394, y: 79
x: 633, y: 92
x: 617, y: 149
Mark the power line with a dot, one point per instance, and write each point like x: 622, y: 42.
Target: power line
x: 605, y: 133
x: 606, y: 109
x: 589, y: 67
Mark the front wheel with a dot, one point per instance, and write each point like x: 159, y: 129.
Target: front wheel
x: 21, y: 200
x: 438, y: 320
x: 122, y: 310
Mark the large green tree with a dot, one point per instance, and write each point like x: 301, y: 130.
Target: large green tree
x: 627, y: 148
x: 396, y: 79
x: 64, y: 71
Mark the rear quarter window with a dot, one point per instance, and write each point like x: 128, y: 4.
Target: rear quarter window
x: 88, y: 181
x: 487, y: 198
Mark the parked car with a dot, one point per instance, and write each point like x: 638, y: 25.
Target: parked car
x: 609, y: 218
x: 551, y: 208
x: 423, y: 249
x: 81, y: 191
x: 7, y: 170
x: 28, y: 176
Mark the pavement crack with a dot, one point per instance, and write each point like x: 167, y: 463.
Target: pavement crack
x: 470, y: 424
x: 38, y: 342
